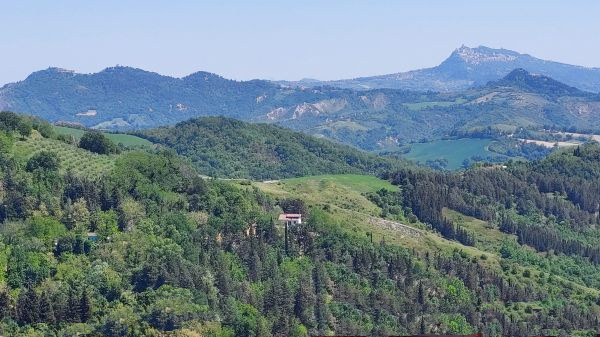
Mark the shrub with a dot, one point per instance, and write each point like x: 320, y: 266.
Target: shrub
x: 44, y: 160
x: 97, y: 142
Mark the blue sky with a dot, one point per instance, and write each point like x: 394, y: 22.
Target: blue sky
x: 284, y: 39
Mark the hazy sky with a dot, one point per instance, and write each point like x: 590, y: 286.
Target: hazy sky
x: 281, y: 39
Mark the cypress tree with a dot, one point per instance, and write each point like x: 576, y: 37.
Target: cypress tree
x: 305, y: 302
x: 60, y: 307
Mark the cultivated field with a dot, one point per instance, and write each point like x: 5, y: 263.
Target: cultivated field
x: 80, y: 161
x: 455, y: 151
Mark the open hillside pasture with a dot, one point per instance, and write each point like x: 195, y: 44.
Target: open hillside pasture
x: 117, y: 138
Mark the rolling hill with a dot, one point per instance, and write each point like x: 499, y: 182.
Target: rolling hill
x: 225, y: 147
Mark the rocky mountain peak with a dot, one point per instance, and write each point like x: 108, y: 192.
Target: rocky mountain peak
x: 483, y: 54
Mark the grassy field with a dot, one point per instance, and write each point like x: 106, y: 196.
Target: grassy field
x: 356, y: 182
x: 127, y: 140
x: 81, y: 162
x: 455, y: 151
x: 344, y: 191
x: 486, y: 236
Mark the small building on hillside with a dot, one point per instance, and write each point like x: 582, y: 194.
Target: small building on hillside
x: 290, y: 219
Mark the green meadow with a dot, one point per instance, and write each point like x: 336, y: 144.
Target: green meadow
x: 125, y: 139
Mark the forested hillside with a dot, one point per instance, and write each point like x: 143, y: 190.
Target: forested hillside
x: 224, y: 147
x: 551, y: 204
x: 146, y: 247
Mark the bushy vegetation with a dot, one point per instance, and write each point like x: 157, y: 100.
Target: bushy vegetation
x: 96, y: 142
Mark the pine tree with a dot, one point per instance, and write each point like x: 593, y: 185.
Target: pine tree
x: 27, y: 306
x: 74, y: 309
x: 85, y: 306
x: 4, y: 304
x: 305, y: 302
x: 46, y: 309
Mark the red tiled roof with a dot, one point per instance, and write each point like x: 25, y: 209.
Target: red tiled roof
x: 289, y: 216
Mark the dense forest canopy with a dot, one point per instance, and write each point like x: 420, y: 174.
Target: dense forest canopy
x: 225, y: 147
x: 145, y: 246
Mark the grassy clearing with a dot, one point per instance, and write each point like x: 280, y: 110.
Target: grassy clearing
x: 343, y: 191
x: 551, y: 144
x: 455, y: 151
x: 343, y: 125
x: 580, y: 135
x: 356, y: 182
x: 127, y: 140
x: 81, y: 162
x: 487, y: 236
x: 489, y: 239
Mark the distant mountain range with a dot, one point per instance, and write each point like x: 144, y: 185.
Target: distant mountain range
x: 123, y: 98
x: 467, y: 67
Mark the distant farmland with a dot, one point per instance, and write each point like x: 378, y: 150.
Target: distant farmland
x: 455, y: 151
